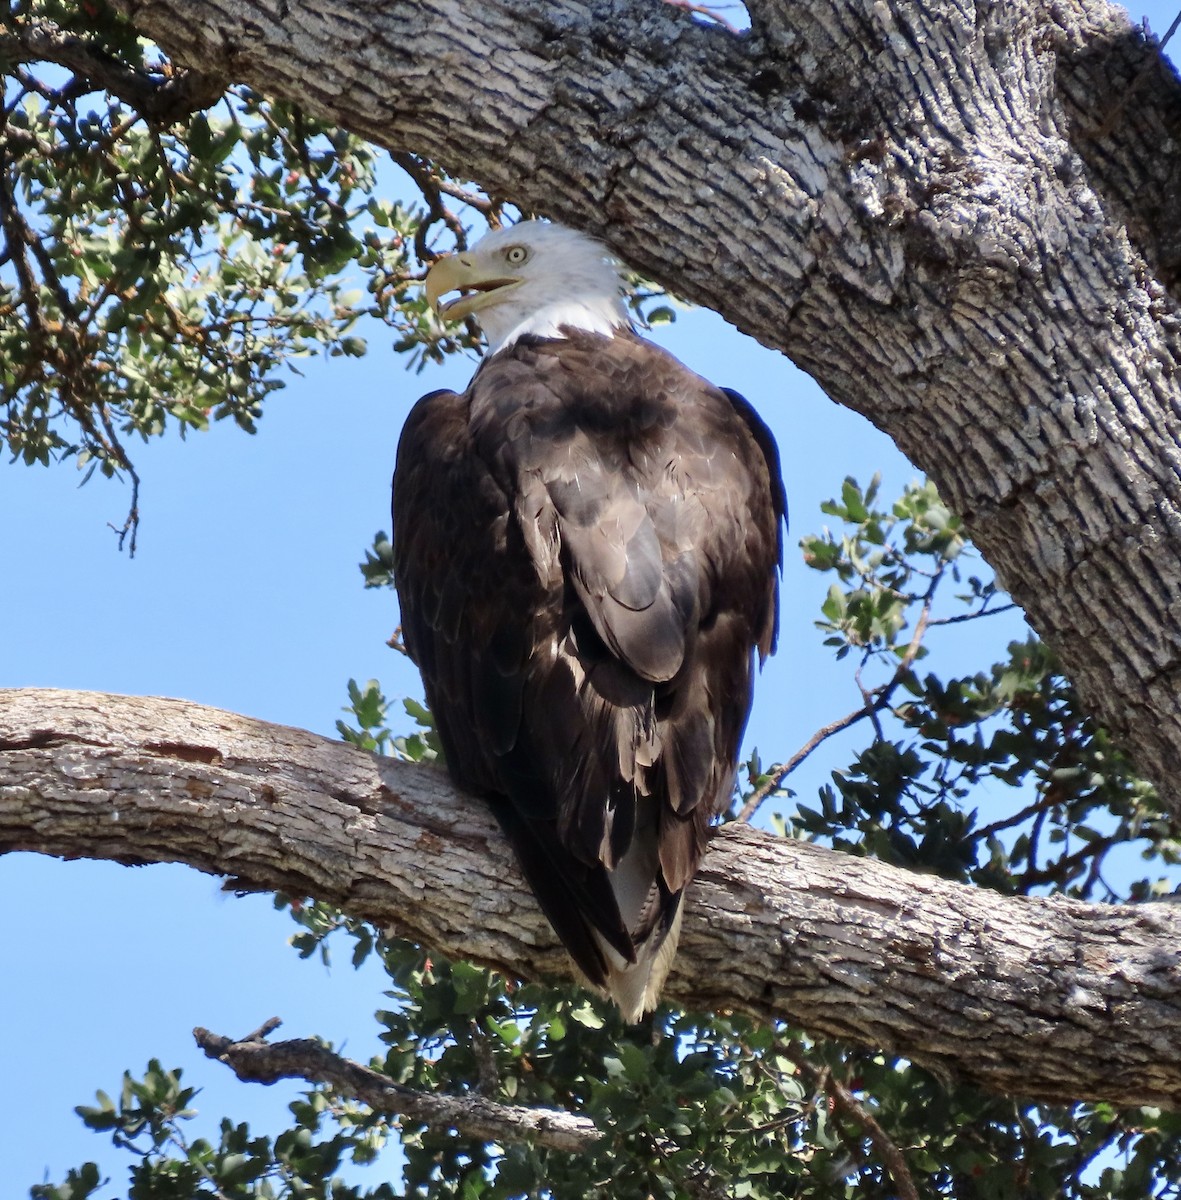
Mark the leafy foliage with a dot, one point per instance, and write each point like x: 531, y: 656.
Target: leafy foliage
x: 149, y: 1121
x: 910, y: 797
x: 166, y: 247
x: 370, y: 707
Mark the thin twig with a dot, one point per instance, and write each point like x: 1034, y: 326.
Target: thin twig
x: 781, y: 772
x: 973, y: 616
x: 709, y: 11
x: 892, y: 1158
x: 131, y: 522
x: 487, y: 207
x: 844, y: 1101
x: 874, y: 702
x: 868, y: 697
x: 430, y: 184
x: 1035, y: 834
x: 1060, y: 870
x: 1015, y: 819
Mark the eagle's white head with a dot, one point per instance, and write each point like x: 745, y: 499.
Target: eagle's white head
x: 533, y: 277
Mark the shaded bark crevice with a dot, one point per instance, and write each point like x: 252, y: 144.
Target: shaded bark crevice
x: 1122, y: 100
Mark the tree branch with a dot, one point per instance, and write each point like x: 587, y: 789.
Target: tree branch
x: 1047, y: 998
x: 254, y: 1060
x: 845, y: 1102
x: 160, y: 97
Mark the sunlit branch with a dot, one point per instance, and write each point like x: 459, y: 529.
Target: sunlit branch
x: 842, y: 946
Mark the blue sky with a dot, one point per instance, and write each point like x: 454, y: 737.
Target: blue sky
x: 245, y: 594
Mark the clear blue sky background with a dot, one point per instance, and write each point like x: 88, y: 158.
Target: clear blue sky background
x: 245, y: 594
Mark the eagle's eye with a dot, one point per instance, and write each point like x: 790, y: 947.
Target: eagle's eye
x: 516, y: 255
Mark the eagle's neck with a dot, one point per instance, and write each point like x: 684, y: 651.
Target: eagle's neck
x: 505, y: 323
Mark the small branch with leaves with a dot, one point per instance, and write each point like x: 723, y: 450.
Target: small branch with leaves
x: 874, y: 701
x: 844, y: 1102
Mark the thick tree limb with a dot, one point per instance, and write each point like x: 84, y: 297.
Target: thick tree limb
x: 163, y: 98
x: 1051, y: 999
x: 255, y: 1060
x: 973, y: 246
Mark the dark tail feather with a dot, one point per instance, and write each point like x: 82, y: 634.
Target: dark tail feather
x: 576, y: 899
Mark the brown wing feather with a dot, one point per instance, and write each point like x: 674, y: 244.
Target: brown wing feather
x: 586, y: 552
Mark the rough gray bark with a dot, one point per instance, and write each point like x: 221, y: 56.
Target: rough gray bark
x: 1051, y: 999
x: 961, y: 217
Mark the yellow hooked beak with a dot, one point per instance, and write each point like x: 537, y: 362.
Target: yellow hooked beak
x: 478, y: 284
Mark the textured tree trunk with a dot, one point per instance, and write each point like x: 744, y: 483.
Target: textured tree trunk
x: 964, y: 219
x: 1050, y: 999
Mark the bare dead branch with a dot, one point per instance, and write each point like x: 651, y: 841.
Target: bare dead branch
x: 254, y: 1060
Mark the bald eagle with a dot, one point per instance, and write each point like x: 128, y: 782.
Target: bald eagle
x: 586, y: 551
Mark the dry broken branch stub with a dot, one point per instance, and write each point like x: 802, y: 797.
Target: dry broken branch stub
x: 1049, y: 999
x: 254, y: 1060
